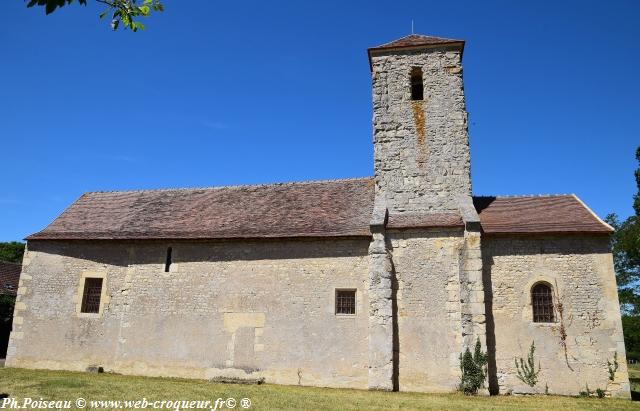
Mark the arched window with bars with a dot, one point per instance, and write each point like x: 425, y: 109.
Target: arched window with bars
x: 542, y: 303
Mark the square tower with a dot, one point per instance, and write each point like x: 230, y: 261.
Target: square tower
x: 422, y: 161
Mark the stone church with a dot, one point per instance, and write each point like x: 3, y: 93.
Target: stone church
x: 378, y: 282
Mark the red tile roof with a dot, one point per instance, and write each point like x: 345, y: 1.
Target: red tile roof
x: 335, y: 208
x: 306, y: 209
x: 413, y: 41
x: 537, y: 214
x: 416, y: 40
x: 9, y: 277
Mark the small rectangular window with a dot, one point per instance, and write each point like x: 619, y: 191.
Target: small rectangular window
x: 168, y: 261
x: 417, y: 86
x: 346, y: 302
x: 91, y: 295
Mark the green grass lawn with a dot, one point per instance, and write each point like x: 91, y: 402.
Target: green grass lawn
x: 62, y: 385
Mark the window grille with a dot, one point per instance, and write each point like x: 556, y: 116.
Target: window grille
x: 542, y: 302
x: 345, y: 301
x: 91, y: 295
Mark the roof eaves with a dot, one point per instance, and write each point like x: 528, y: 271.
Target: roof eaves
x: 384, y: 48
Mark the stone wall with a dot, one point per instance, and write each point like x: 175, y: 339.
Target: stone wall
x: 580, y: 270
x: 427, y: 270
x: 421, y: 154
x: 244, y: 309
x: 266, y: 309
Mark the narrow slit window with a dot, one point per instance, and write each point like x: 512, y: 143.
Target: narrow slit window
x: 417, y: 86
x: 542, y: 302
x: 167, y: 263
x: 91, y: 295
x: 346, y: 302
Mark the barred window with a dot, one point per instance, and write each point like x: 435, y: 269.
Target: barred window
x: 91, y: 295
x: 345, y: 301
x: 542, y: 302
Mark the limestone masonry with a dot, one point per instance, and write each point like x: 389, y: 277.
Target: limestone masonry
x: 375, y: 283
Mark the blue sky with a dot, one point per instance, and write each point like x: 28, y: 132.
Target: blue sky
x: 220, y: 93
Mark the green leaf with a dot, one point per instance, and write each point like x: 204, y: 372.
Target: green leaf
x: 50, y: 7
x: 144, y: 10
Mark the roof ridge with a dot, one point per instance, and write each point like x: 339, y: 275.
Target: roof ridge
x: 432, y: 40
x: 524, y: 195
x: 235, y: 186
x: 422, y: 36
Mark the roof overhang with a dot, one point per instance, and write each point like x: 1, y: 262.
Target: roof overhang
x: 382, y: 50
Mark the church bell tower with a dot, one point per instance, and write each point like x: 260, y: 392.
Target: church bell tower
x: 423, y: 181
x: 422, y: 161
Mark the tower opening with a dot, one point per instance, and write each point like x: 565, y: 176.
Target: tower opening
x: 167, y: 263
x: 417, y: 86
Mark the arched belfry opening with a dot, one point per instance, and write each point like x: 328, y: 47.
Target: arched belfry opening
x: 417, y: 85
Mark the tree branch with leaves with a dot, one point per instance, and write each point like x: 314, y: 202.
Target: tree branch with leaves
x: 126, y: 12
x: 625, y: 244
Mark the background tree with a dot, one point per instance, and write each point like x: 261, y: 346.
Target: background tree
x: 12, y: 252
x: 6, y: 316
x: 125, y: 11
x: 625, y: 244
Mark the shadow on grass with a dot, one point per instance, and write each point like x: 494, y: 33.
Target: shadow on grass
x: 635, y: 389
x: 60, y: 383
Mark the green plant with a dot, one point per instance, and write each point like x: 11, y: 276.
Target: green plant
x: 600, y: 392
x: 587, y: 392
x: 473, y: 368
x: 559, y: 306
x: 527, y: 370
x: 613, y: 367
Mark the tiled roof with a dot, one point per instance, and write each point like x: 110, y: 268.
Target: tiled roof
x: 424, y: 220
x: 307, y: 209
x: 9, y: 277
x: 537, y: 214
x: 413, y: 41
x: 332, y: 208
x: 416, y: 40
